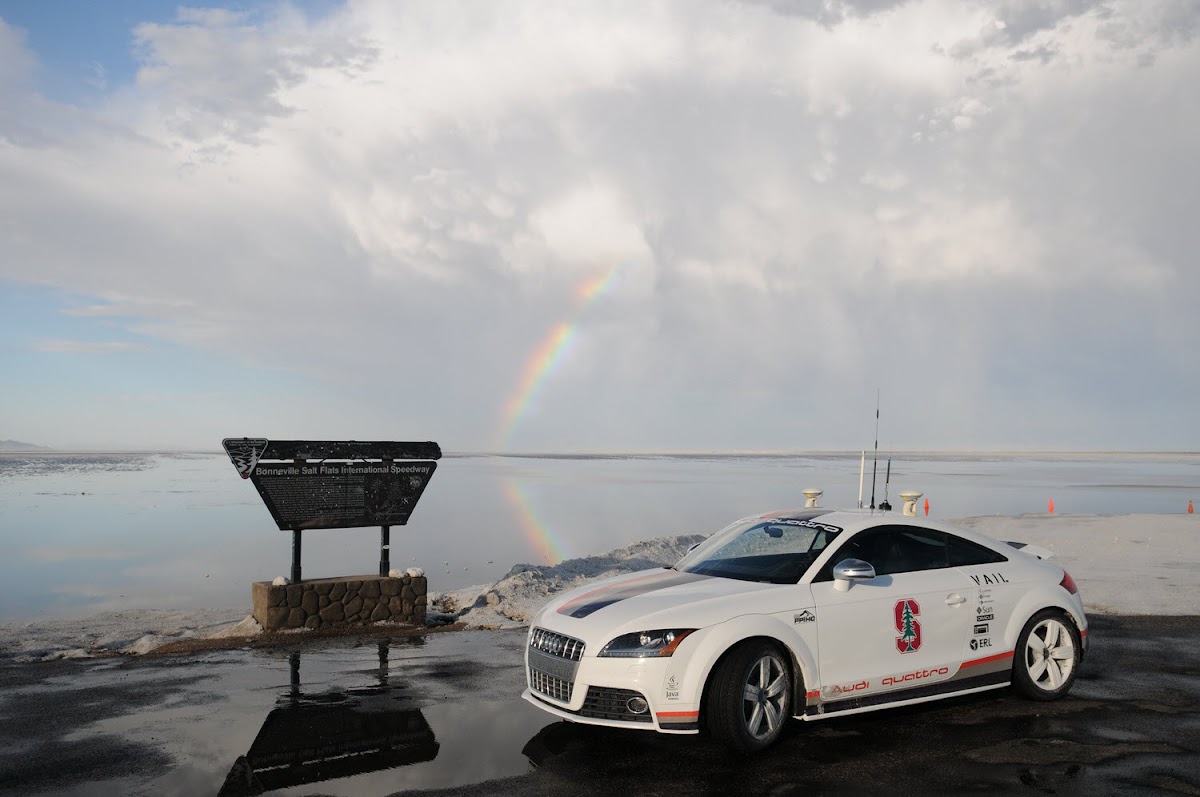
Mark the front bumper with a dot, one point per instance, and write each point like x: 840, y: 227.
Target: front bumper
x: 598, y: 691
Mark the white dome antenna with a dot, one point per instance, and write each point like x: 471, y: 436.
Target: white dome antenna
x: 909, y: 497
x: 810, y: 497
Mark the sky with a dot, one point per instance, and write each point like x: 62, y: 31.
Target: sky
x: 648, y: 226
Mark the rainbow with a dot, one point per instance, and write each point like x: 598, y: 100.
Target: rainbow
x: 550, y: 352
x: 537, y: 533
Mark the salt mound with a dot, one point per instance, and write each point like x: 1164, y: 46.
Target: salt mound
x: 247, y: 627
x: 515, y: 598
x: 130, y: 632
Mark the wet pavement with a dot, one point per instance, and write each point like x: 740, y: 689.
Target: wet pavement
x: 442, y: 713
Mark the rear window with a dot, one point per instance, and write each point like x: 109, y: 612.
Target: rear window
x: 963, y: 553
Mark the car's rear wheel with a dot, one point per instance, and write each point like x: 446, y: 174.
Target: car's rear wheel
x: 1047, y: 656
x: 750, y: 696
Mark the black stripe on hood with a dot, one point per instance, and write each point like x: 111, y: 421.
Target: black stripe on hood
x: 597, y: 599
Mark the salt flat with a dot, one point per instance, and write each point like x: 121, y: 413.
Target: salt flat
x: 1123, y: 564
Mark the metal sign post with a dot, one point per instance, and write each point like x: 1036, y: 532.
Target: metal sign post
x: 384, y: 563
x: 296, y: 556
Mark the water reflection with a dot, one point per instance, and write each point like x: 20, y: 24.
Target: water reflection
x: 548, y: 742
x: 311, y: 737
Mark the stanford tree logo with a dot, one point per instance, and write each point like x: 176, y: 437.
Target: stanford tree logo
x: 906, y: 613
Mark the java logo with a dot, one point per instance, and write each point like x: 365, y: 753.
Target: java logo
x: 906, y: 613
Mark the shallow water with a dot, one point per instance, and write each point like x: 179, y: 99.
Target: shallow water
x: 346, y: 718
x: 87, y: 533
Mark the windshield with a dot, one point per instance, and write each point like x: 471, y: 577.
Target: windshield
x: 771, y: 550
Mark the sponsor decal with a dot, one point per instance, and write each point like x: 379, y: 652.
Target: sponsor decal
x: 804, y: 617
x: 981, y: 629
x: 985, y: 596
x: 812, y: 524
x: 837, y: 690
x: 915, y: 675
x: 980, y: 644
x: 672, y: 690
x: 979, y: 618
x: 906, y: 613
x: 989, y: 578
x: 808, y: 524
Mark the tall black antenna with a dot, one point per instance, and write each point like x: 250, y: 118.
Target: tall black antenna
x: 887, y: 480
x: 875, y: 459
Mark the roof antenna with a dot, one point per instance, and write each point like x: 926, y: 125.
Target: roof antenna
x: 862, y: 469
x: 885, y: 506
x: 875, y: 460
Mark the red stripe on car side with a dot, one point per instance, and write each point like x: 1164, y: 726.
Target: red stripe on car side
x: 814, y: 693
x: 988, y: 659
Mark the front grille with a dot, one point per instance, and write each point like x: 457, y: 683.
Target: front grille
x: 559, y: 645
x: 605, y: 703
x: 550, y: 686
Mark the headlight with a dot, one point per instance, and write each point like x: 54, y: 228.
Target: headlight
x: 645, y: 644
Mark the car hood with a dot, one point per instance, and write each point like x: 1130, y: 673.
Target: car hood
x: 662, y: 598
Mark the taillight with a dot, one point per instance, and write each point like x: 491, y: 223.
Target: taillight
x: 1068, y: 583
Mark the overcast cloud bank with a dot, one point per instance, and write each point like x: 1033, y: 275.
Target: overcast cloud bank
x: 639, y: 226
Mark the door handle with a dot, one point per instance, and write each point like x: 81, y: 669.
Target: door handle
x: 955, y: 600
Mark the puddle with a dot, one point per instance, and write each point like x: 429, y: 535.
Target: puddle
x: 372, y: 718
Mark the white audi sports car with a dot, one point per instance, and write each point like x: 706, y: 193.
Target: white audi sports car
x: 810, y: 614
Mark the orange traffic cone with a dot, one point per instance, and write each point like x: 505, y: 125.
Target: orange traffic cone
x: 1051, y: 506
x: 926, y: 507
x: 1191, y: 509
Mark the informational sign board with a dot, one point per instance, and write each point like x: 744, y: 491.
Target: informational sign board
x: 335, y: 484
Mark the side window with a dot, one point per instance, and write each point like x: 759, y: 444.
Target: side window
x: 964, y: 552
x: 892, y: 549
x: 860, y: 546
x: 910, y: 549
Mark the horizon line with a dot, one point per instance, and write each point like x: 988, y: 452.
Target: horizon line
x: 653, y: 452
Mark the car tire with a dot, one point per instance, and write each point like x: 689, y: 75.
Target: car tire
x: 1047, y: 656
x: 749, y: 698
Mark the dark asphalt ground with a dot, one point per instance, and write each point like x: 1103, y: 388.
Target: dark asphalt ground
x: 449, y: 705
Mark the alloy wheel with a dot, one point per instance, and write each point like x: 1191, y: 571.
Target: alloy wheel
x: 764, y: 698
x: 1049, y: 654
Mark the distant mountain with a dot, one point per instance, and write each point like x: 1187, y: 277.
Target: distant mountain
x: 17, y: 445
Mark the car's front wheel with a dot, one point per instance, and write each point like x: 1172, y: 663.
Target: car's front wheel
x: 1047, y: 656
x: 750, y: 696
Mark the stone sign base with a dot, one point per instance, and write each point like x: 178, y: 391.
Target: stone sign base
x: 349, y: 600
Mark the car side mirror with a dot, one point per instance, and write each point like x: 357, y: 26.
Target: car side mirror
x: 848, y: 570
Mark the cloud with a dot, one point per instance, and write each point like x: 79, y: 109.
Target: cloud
x: 395, y: 205
x: 16, y: 60
x: 830, y: 13
x: 86, y: 346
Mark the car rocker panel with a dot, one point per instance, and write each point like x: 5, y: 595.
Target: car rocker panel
x: 640, y: 650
